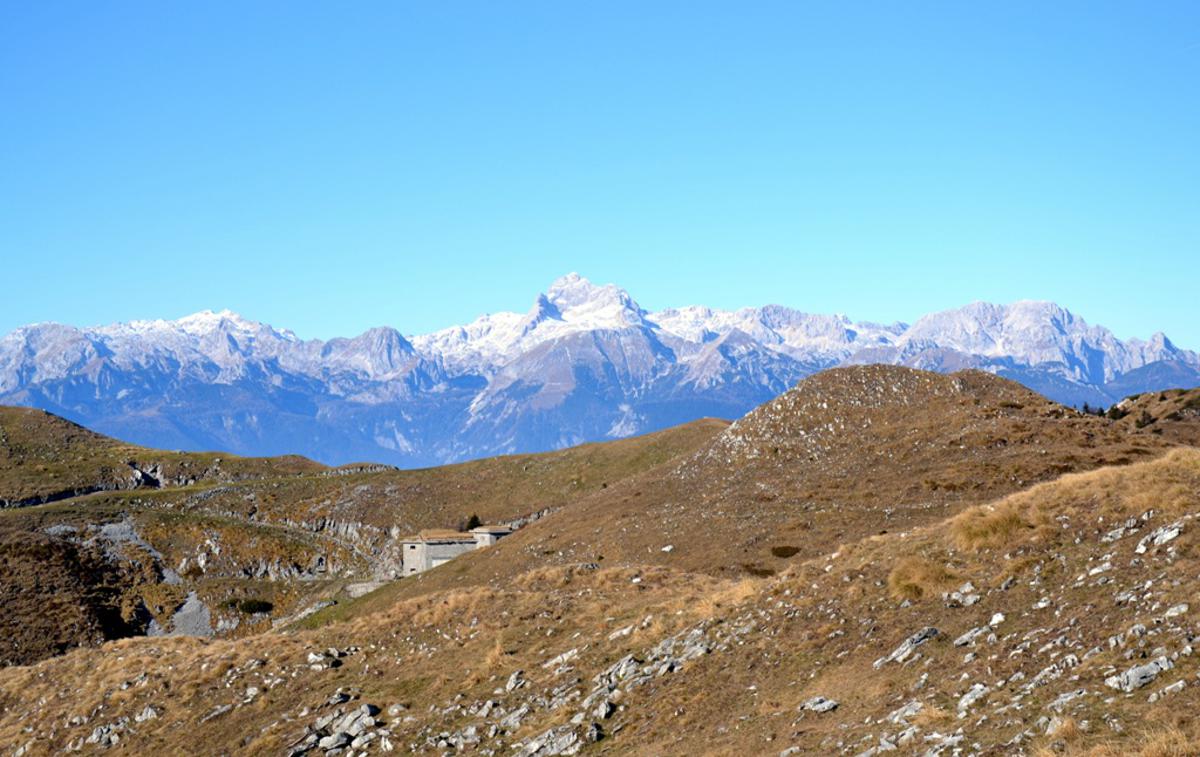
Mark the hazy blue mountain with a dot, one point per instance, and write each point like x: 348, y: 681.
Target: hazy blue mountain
x: 585, y: 363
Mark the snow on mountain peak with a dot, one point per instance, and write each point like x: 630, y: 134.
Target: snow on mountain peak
x: 572, y: 290
x: 557, y: 373
x: 571, y: 304
x: 581, y: 301
x: 195, y: 325
x: 801, y: 335
x: 987, y: 329
x: 1029, y: 332
x: 207, y: 321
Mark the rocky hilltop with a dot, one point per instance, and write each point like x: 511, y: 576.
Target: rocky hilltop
x: 585, y: 363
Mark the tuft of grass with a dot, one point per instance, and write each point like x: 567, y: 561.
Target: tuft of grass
x: 495, y: 656
x: 918, y: 577
x: 711, y: 605
x: 1170, y: 741
x: 931, y: 717
x: 984, y: 527
x: 1068, y: 730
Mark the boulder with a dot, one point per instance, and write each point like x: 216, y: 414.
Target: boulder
x: 1139, y: 675
x: 902, y: 652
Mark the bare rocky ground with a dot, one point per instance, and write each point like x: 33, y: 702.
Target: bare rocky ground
x: 996, y: 615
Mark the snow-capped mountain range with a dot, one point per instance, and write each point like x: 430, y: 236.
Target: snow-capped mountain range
x: 585, y: 363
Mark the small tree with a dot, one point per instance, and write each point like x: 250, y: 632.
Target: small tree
x: 472, y: 522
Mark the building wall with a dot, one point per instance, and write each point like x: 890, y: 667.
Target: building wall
x: 413, y: 557
x: 420, y: 556
x: 440, y: 552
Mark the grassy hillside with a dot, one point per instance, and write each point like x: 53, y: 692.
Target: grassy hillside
x: 44, y: 458
x: 846, y: 454
x: 880, y: 559
x: 1039, y: 603
x: 120, y: 552
x: 495, y: 489
x: 1172, y: 414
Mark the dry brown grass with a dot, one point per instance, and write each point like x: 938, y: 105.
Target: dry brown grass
x: 457, y: 605
x: 45, y: 456
x: 812, y: 637
x: 1171, y: 414
x: 816, y: 629
x: 251, y: 508
x: 1165, y: 485
x: 495, y: 657
x: 932, y: 716
x: 781, y: 477
x: 731, y: 595
x: 1157, y: 742
x: 469, y: 640
x: 1068, y: 730
x: 915, y: 578
x: 989, y: 526
x: 725, y: 506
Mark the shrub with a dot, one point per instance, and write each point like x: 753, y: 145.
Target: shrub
x: 784, y: 551
x: 1143, y: 420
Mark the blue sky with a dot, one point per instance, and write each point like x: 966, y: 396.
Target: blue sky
x: 333, y: 166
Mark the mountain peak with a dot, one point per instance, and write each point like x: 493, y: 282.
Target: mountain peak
x: 210, y: 320
x: 572, y: 290
x: 571, y: 280
x: 578, y: 300
x: 1159, y: 341
x: 987, y: 320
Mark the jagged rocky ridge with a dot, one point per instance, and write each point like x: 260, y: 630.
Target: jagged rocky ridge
x: 585, y: 363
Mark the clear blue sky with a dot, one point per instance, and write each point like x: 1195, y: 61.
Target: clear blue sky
x: 333, y: 166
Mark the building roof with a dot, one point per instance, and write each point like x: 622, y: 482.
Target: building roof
x: 491, y: 530
x: 440, y: 534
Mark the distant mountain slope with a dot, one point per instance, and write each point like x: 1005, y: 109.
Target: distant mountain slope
x: 586, y: 363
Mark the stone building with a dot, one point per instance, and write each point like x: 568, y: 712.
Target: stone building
x: 486, y: 536
x: 433, y: 547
